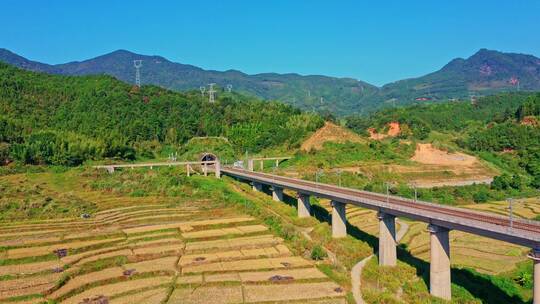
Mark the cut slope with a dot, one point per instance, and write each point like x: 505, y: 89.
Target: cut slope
x: 427, y: 154
x: 394, y: 128
x: 456, y: 169
x: 330, y: 133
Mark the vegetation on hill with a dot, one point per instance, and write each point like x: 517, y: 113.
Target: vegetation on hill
x: 60, y: 120
x: 484, y: 73
x: 493, y: 128
x: 339, y: 95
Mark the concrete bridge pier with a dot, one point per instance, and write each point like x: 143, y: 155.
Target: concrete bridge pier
x: 262, y: 165
x: 277, y: 194
x: 257, y: 187
x: 277, y: 163
x: 439, y: 272
x: 304, y: 206
x: 535, y: 256
x: 339, y: 220
x: 110, y: 170
x: 387, y: 239
x: 217, y: 165
x: 250, y: 164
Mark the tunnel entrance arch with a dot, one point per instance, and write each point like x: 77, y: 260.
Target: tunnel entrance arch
x: 208, y: 157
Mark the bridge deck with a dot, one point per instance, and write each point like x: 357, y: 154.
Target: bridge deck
x: 160, y: 164
x: 521, y: 232
x: 272, y: 158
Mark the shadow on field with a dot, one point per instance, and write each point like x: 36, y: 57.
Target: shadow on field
x: 480, y: 286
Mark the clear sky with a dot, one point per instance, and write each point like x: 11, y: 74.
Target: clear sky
x: 374, y: 41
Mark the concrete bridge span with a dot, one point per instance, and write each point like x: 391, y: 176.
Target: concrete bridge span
x: 441, y: 220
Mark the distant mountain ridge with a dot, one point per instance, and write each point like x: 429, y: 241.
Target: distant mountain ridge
x: 339, y: 95
x: 486, y: 72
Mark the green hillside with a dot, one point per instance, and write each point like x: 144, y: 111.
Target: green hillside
x: 49, y: 119
x: 484, y: 73
x: 339, y: 95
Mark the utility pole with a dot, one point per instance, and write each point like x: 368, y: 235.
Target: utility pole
x: 318, y: 174
x: 211, y: 92
x: 511, y: 215
x: 137, y: 64
x: 387, y: 193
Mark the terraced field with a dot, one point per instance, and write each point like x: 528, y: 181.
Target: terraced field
x: 155, y: 253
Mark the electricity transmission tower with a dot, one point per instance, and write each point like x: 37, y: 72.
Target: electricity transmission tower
x: 229, y: 88
x: 211, y: 92
x: 203, y: 89
x: 137, y: 64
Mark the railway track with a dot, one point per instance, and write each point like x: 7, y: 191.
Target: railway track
x: 516, y: 224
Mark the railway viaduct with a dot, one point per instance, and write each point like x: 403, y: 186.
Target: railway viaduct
x: 441, y: 219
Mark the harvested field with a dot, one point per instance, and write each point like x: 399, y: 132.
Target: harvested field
x: 152, y: 296
x: 118, y: 288
x: 203, y: 295
x: 29, y: 268
x: 162, y: 264
x: 244, y: 242
x: 296, y: 274
x: 288, y: 292
x: 248, y: 264
x: 136, y: 254
x: 89, y: 278
x: 203, y: 258
x: 224, y: 231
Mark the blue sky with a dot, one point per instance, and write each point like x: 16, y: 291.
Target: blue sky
x: 374, y: 41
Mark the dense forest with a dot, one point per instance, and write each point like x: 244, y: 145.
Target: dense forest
x: 63, y: 120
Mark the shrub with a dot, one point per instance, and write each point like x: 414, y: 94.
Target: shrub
x: 4, y: 153
x: 481, y: 196
x: 318, y: 253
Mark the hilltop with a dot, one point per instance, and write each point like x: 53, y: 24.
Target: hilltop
x: 484, y: 73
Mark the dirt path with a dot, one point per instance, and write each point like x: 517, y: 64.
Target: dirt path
x: 356, y: 271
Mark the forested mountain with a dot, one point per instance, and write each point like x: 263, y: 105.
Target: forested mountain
x: 339, y: 95
x: 484, y: 73
x: 65, y: 120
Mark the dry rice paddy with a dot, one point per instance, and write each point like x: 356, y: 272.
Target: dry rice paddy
x: 152, y: 253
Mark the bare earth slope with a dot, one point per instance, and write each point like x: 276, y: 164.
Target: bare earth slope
x: 330, y: 133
